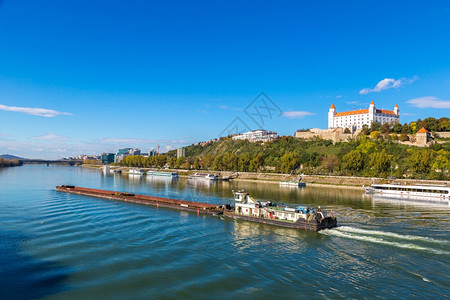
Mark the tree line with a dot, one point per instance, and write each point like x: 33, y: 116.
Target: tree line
x: 9, y: 162
x: 365, y: 156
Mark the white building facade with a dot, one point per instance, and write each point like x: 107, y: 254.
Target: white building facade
x: 257, y: 135
x: 355, y: 119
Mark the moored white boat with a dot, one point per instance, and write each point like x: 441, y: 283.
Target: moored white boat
x: 211, y: 177
x: 295, y: 183
x: 441, y: 193
x: 163, y: 174
x: 136, y: 172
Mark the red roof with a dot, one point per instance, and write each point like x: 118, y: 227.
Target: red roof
x: 332, y: 106
x: 422, y: 130
x: 372, y: 103
x: 387, y: 112
x: 353, y: 112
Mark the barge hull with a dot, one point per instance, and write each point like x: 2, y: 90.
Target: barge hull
x: 191, y: 206
x: 313, y: 225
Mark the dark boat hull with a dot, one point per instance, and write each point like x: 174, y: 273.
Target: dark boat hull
x: 328, y: 222
x: 196, y: 207
x: 191, y: 206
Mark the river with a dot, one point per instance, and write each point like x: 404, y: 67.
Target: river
x: 63, y: 246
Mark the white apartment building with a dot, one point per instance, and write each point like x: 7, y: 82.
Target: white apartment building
x: 355, y: 119
x: 257, y: 135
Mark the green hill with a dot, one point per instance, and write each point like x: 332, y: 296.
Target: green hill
x: 9, y: 156
x: 362, y: 157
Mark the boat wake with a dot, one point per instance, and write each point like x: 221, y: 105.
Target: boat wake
x: 389, y: 238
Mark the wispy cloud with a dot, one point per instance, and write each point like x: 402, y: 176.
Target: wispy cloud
x: 133, y: 141
x: 388, y: 83
x: 42, y: 112
x: 125, y: 141
x: 407, y: 114
x: 297, y: 114
x: 50, y: 137
x: 203, y: 111
x: 353, y: 102
x: 429, y: 102
x: 229, y: 108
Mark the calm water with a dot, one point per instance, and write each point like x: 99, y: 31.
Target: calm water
x: 62, y: 246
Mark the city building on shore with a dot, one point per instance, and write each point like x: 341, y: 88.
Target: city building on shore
x: 258, y: 135
x: 355, y: 119
x: 124, y: 152
x: 108, y: 158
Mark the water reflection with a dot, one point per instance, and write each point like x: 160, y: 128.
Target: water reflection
x: 23, y: 276
x: 250, y: 235
x: 403, y: 202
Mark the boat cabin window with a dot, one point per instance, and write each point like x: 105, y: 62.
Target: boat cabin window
x: 407, y: 189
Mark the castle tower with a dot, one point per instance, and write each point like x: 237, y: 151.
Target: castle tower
x: 372, y: 111
x: 331, y: 115
x: 422, y: 137
x: 396, y: 110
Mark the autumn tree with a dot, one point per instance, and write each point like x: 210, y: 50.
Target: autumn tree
x: 421, y: 161
x: 379, y: 162
x: 289, y: 162
x: 256, y: 163
x: 353, y: 161
x: 330, y: 162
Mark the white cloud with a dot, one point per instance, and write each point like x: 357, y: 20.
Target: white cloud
x: 42, y: 112
x: 50, y: 137
x: 429, y: 102
x: 125, y: 141
x: 134, y: 141
x: 297, y: 114
x: 229, y: 108
x: 388, y: 83
x: 353, y: 102
x: 338, y: 96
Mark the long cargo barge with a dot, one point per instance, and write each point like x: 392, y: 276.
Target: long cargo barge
x: 197, y: 207
x: 246, y: 208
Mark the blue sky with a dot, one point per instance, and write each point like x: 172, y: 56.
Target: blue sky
x: 92, y: 76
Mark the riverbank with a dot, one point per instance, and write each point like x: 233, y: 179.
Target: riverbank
x: 311, y: 180
x: 4, y: 163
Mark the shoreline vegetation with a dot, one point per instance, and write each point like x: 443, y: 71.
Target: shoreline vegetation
x: 352, y: 182
x: 377, y: 152
x: 363, y: 157
x: 9, y: 162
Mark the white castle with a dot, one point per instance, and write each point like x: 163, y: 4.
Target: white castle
x: 357, y: 118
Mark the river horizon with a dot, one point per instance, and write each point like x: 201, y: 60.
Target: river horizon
x: 63, y: 246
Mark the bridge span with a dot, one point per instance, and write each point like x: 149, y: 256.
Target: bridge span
x: 70, y: 162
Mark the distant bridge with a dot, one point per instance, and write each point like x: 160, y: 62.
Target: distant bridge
x: 70, y: 162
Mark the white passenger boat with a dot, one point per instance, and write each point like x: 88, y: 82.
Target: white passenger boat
x: 136, y: 172
x: 441, y: 193
x: 295, y: 183
x: 163, y: 174
x: 211, y: 177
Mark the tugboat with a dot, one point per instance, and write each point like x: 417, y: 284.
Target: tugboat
x: 301, y: 217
